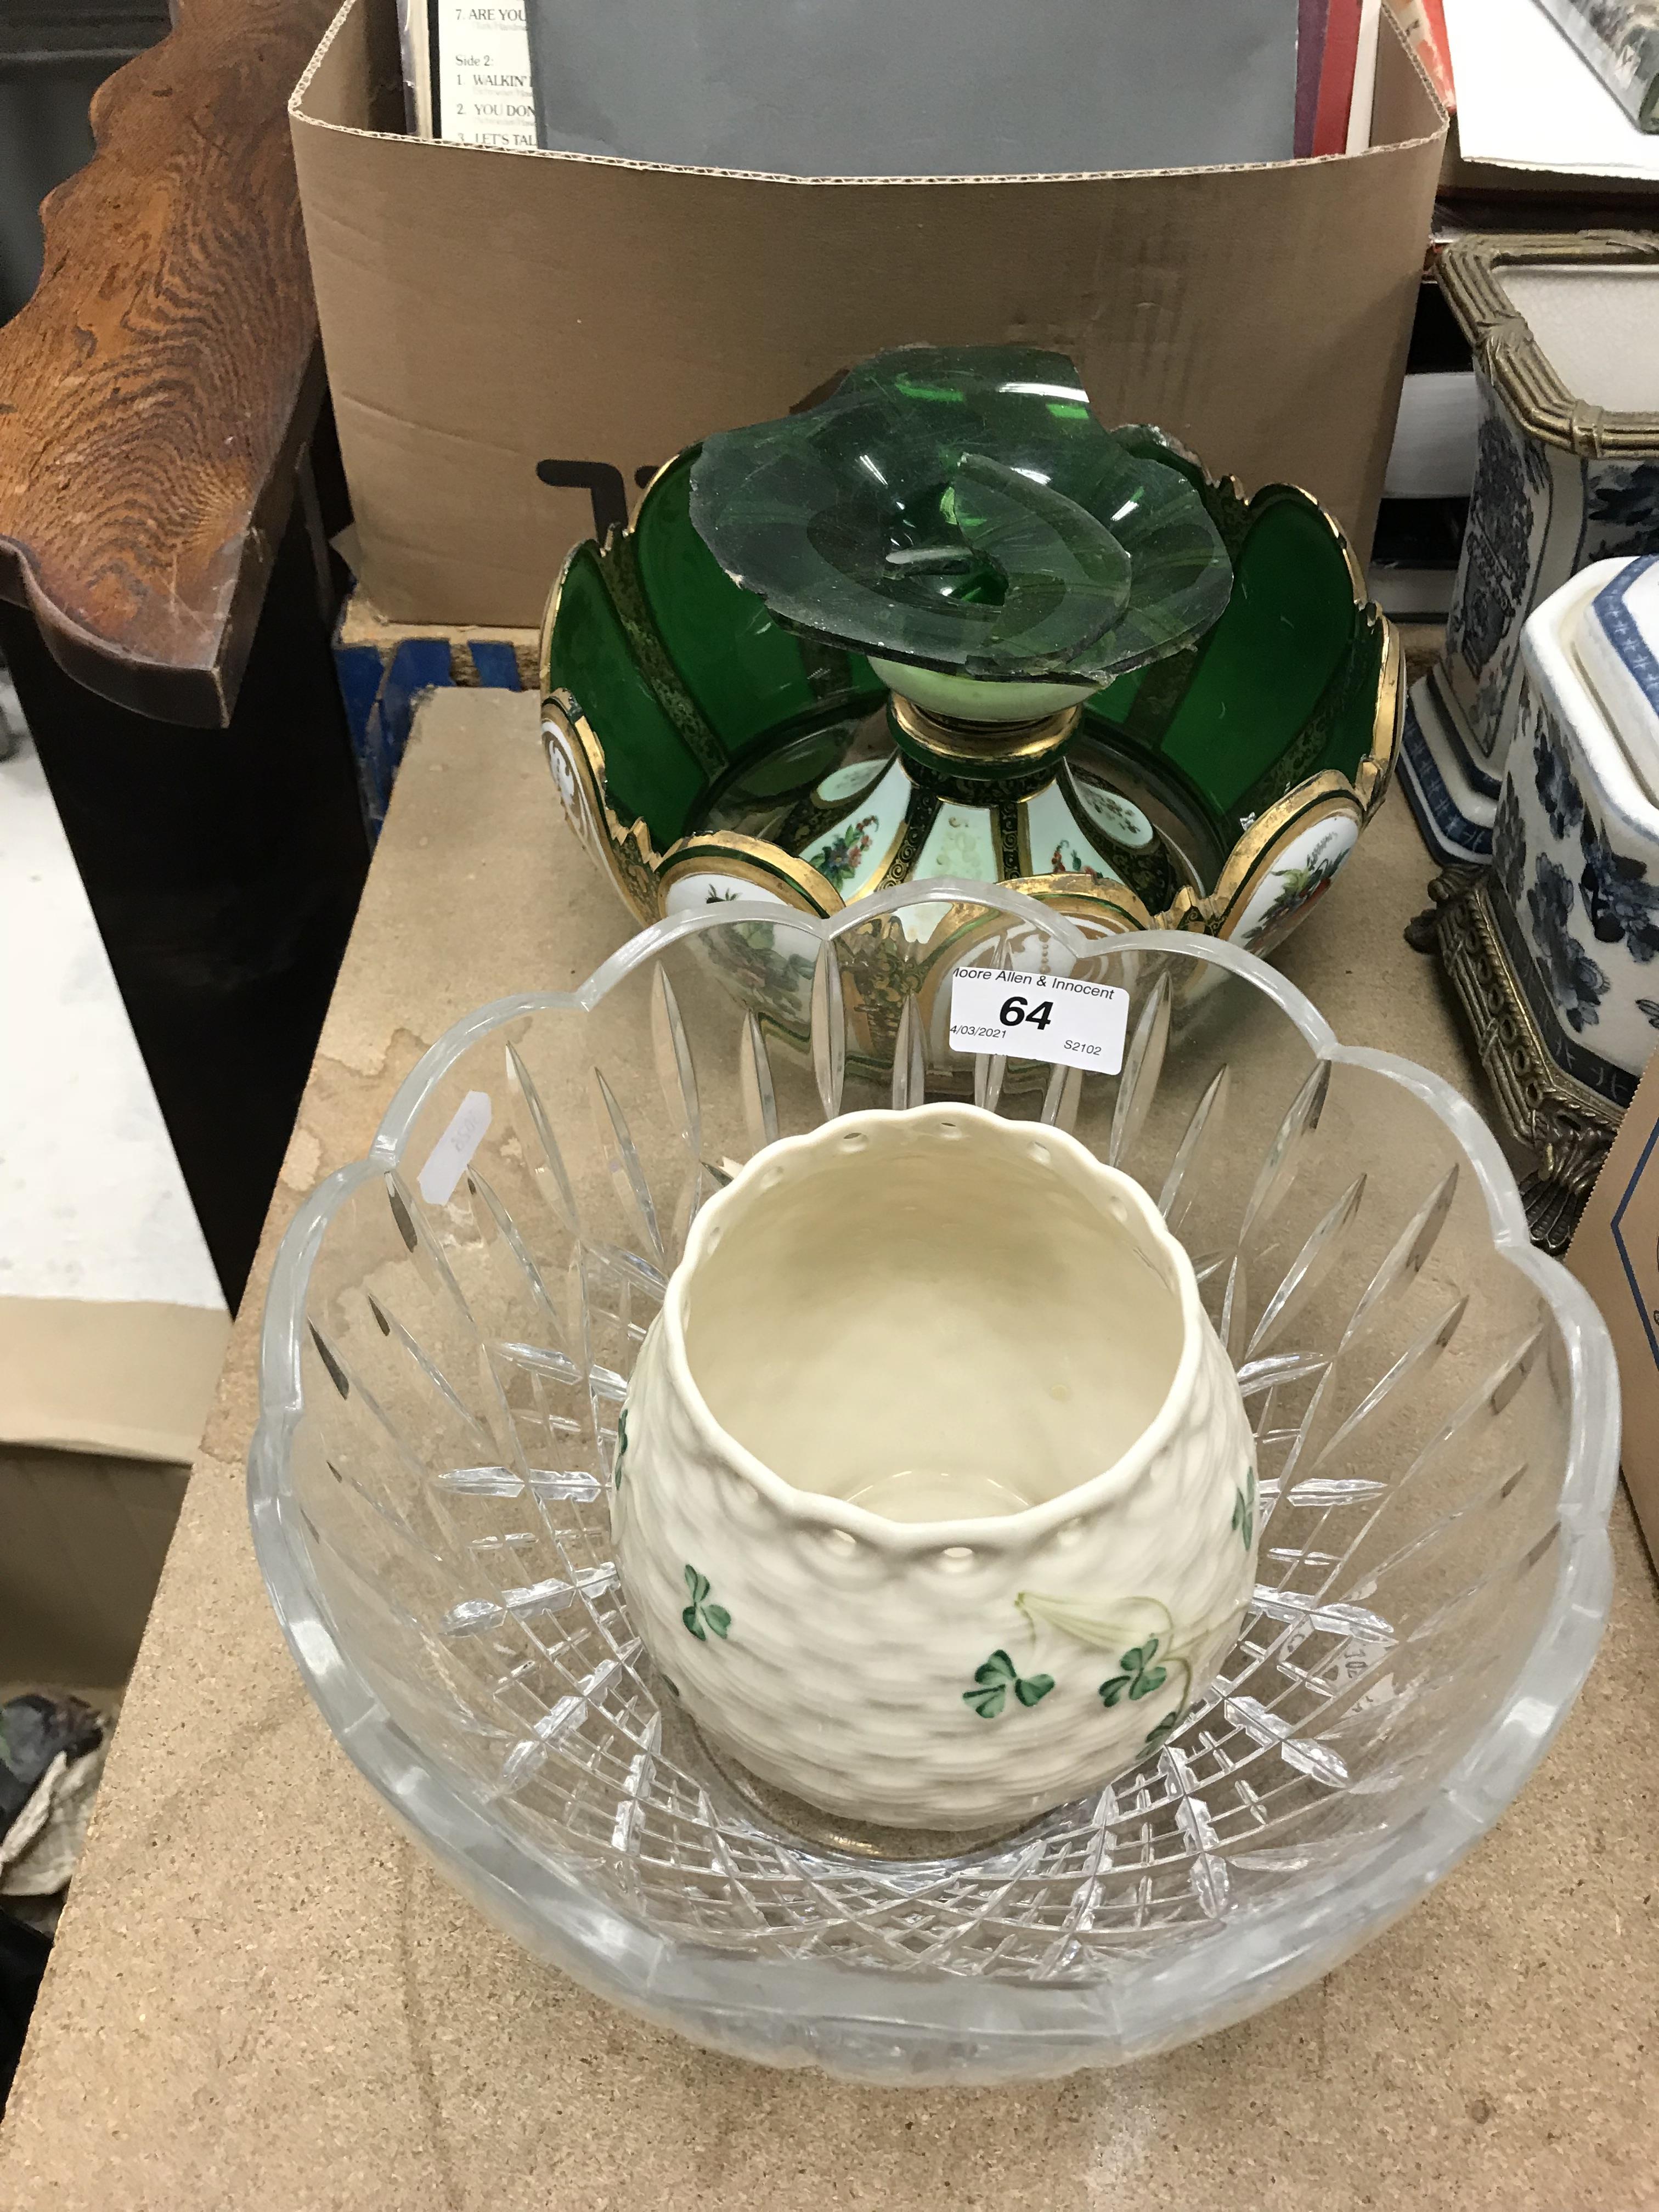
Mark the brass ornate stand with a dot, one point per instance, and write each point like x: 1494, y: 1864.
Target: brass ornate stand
x: 1555, y: 1117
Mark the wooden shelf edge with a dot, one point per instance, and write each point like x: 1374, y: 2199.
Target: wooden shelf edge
x: 157, y: 391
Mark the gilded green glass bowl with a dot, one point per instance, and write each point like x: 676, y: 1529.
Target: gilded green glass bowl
x: 962, y: 511
x: 706, y: 748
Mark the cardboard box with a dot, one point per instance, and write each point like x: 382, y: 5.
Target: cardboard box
x: 101, y: 1407
x: 1616, y: 1255
x: 515, y: 340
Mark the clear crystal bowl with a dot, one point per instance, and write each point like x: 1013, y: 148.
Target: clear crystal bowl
x: 449, y: 1336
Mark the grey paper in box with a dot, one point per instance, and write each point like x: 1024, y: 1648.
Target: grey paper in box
x: 917, y: 87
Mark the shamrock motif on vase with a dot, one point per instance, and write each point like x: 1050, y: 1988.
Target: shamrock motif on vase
x: 1163, y: 1729
x: 700, y: 1616
x: 1137, y: 1675
x: 993, y: 1680
x: 1151, y: 1654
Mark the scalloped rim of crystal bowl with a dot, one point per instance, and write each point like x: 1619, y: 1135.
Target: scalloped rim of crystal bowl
x: 863, y: 2022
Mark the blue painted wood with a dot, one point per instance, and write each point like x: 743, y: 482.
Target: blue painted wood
x: 497, y: 663
x: 360, y: 670
x: 418, y: 664
x: 382, y: 683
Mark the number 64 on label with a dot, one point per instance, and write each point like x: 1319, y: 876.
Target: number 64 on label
x: 1017, y: 1009
x: 1057, y: 1018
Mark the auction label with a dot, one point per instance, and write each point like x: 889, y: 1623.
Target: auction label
x: 1052, y: 1018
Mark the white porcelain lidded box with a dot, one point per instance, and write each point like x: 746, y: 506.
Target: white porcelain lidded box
x: 936, y: 1500
x: 1576, y: 841
x: 1565, y: 335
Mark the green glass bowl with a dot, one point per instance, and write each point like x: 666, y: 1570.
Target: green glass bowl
x: 705, y: 751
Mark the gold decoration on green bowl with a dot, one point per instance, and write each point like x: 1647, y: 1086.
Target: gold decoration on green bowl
x: 706, y: 751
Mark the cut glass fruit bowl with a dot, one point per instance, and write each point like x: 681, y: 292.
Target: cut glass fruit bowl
x: 451, y: 1327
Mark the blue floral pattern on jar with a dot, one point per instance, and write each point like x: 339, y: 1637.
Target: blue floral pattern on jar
x: 1509, y: 846
x: 1498, y: 554
x: 1535, y: 510
x: 1620, y: 904
x: 1621, y: 509
x: 1575, y: 881
x: 1619, y: 900
x: 1508, y: 522
x: 1577, y: 983
x: 1558, y: 794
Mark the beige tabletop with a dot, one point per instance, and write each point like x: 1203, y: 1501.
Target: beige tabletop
x: 263, y: 1996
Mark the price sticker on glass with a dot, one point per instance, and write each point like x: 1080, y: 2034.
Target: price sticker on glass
x: 1052, y: 1018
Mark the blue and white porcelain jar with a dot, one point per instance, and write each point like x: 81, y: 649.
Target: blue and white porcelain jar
x: 1567, y: 473
x: 1574, y: 876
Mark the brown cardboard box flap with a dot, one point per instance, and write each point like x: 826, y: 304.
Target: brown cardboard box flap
x: 85, y: 1534
x: 483, y: 312
x: 122, y: 1378
x: 1616, y: 1255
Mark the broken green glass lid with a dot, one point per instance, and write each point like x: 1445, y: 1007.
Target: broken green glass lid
x: 961, y: 509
